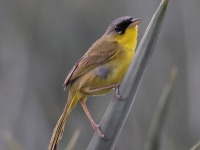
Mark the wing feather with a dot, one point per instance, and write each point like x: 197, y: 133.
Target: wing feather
x: 99, y: 53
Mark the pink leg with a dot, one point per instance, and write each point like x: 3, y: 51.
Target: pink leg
x: 116, y: 86
x: 117, y: 95
x: 94, y: 125
x: 101, y: 88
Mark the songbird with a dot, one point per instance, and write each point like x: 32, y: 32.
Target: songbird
x: 100, y: 70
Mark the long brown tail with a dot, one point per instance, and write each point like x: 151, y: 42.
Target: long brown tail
x: 59, y: 129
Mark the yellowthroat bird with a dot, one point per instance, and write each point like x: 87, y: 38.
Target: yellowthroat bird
x: 100, y: 70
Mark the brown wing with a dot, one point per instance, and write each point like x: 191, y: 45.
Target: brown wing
x: 99, y: 53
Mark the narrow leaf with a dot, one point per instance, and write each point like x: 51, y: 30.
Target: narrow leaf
x: 153, y: 140
x: 196, y: 146
x: 73, y: 140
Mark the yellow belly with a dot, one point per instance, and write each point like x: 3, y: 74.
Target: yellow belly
x: 107, y: 74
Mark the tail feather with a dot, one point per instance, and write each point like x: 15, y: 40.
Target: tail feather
x: 59, y: 129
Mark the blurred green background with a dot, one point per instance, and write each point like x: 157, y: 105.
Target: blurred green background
x: 40, y: 41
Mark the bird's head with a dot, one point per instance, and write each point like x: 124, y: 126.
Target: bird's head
x: 123, y: 30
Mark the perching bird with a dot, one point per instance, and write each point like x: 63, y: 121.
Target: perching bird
x: 100, y: 70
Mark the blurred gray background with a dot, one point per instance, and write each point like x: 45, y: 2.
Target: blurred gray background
x: 40, y: 41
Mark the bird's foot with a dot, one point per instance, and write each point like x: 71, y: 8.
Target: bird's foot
x: 96, y: 128
x: 117, y: 95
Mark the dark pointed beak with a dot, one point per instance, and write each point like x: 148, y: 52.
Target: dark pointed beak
x: 135, y: 22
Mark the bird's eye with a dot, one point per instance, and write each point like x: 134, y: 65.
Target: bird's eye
x: 118, y: 29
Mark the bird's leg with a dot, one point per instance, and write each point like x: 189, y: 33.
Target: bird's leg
x: 116, y: 86
x: 101, y: 88
x: 94, y: 125
x: 117, y: 95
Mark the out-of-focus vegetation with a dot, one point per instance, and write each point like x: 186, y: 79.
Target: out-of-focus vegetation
x: 196, y: 146
x: 158, y: 121
x: 40, y: 41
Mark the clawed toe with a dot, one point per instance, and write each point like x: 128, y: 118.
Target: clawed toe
x: 119, y: 97
x: 96, y: 128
